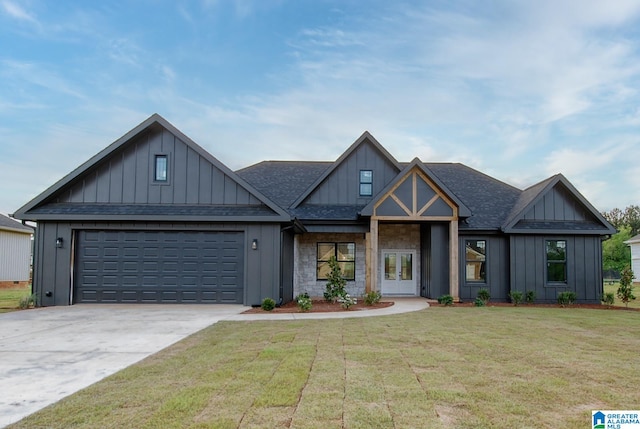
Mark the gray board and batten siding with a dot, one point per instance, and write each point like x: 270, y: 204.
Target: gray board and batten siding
x: 114, y: 195
x: 256, y: 212
x: 126, y: 177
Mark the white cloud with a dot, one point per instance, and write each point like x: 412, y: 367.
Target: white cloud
x: 17, y: 12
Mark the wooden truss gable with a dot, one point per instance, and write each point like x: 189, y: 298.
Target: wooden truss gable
x: 415, y: 197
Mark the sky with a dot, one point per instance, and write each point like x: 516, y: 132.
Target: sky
x: 520, y: 90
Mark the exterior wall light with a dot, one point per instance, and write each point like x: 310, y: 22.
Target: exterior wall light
x: 254, y: 244
x: 59, y: 242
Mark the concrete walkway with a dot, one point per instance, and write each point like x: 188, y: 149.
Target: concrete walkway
x: 401, y: 305
x: 49, y: 353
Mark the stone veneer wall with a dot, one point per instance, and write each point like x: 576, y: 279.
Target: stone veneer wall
x: 401, y: 236
x: 390, y: 236
x: 305, y: 250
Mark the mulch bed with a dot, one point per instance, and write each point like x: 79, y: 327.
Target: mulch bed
x: 320, y: 306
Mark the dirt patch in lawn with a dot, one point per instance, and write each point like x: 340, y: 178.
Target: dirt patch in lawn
x: 321, y: 306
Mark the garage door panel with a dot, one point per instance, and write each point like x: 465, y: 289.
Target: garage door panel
x: 159, y: 266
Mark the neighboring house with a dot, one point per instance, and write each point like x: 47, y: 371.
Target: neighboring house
x: 634, y: 243
x: 156, y: 218
x: 15, y: 253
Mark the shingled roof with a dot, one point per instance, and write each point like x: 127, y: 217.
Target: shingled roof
x: 489, y: 199
x: 283, y: 181
x: 8, y: 224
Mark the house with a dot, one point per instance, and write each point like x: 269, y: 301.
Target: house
x: 634, y: 243
x: 155, y: 218
x: 15, y: 253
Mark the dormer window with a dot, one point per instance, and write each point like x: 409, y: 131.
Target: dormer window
x: 161, y: 168
x: 366, y: 183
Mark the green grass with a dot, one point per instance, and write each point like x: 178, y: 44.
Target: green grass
x: 613, y: 287
x: 10, y: 298
x: 491, y: 367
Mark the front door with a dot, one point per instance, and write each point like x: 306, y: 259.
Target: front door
x: 398, y: 272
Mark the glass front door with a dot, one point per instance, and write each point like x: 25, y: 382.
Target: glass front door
x: 398, y: 272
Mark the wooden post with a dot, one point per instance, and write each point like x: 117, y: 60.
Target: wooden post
x: 367, y: 262
x: 453, y: 260
x: 372, y: 270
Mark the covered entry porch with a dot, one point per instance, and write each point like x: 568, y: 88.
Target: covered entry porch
x: 412, y: 243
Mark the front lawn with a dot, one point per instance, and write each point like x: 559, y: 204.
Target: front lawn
x: 10, y: 298
x: 492, y: 367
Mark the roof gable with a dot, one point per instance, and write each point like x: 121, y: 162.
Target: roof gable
x: 416, y: 193
x: 555, y: 206
x: 339, y: 184
x: 122, y: 175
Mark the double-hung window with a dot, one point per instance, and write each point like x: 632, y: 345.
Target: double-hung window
x: 366, y: 183
x: 345, y: 254
x: 556, y: 261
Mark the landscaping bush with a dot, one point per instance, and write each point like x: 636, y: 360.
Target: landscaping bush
x: 335, y: 282
x: 347, y: 301
x: 484, y: 295
x: 566, y: 298
x: 479, y: 302
x: 608, y: 298
x: 268, y: 304
x: 530, y: 297
x: 516, y: 297
x: 372, y: 297
x: 445, y: 300
x: 304, y: 302
x: 625, y: 290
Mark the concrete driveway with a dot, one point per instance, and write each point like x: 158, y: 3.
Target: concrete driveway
x: 49, y: 353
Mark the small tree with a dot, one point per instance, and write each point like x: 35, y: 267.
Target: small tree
x: 335, y: 282
x: 625, y: 290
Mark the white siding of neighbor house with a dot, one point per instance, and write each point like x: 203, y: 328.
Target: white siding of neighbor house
x: 15, y: 256
x: 635, y: 260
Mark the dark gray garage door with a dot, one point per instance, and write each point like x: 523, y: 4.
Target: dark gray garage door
x: 159, y: 267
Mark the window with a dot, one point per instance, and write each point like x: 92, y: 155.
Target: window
x: 475, y: 257
x: 161, y: 168
x: 366, y: 183
x: 556, y: 261
x: 345, y: 254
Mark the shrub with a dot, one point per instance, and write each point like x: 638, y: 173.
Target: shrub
x: 479, y: 302
x: 347, y: 301
x: 372, y: 297
x: 566, y: 298
x: 530, y: 297
x: 484, y: 295
x: 608, y: 298
x: 304, y: 302
x: 516, y: 297
x: 625, y: 290
x: 335, y: 282
x: 268, y: 304
x: 27, y: 301
x: 445, y: 300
